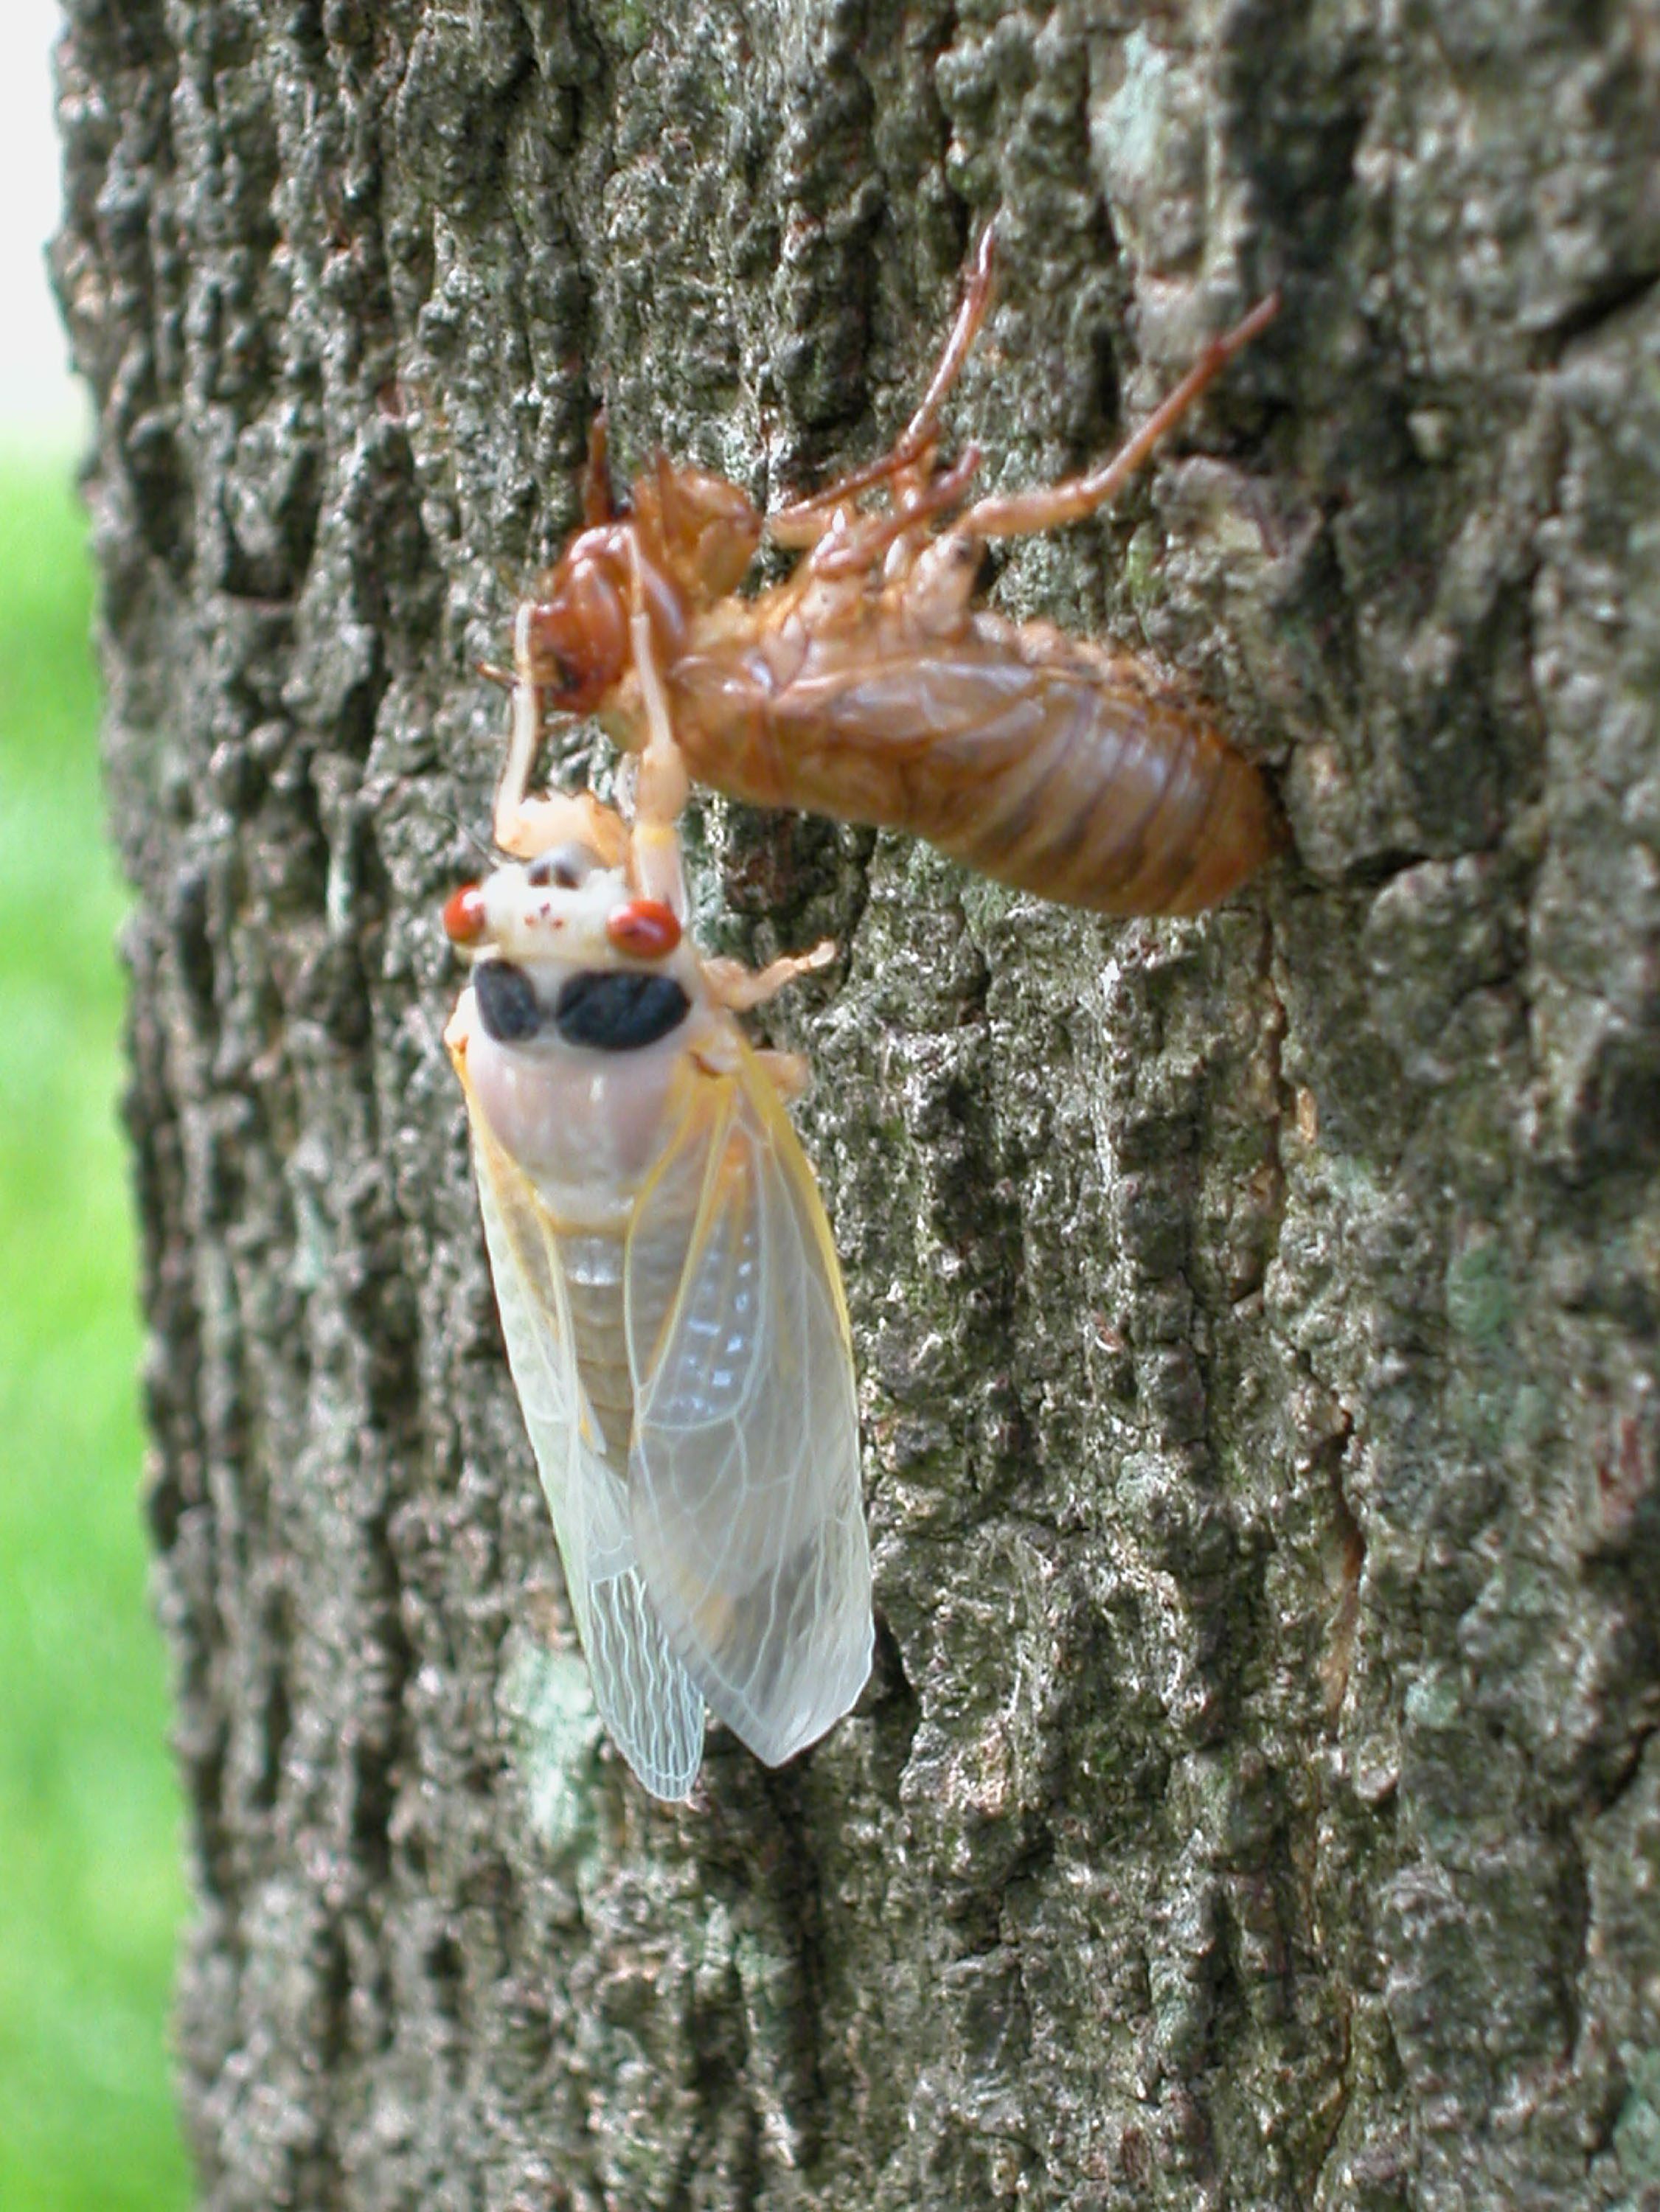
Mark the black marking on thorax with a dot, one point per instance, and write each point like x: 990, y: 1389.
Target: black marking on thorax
x: 606, y: 1009
x: 619, y: 1008
x: 508, y: 1004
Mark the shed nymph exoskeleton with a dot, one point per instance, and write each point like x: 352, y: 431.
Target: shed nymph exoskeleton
x: 870, y: 687
x: 668, y: 1289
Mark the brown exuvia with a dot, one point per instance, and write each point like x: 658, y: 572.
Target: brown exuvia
x: 870, y: 687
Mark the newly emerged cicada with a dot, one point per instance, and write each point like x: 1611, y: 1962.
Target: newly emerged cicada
x: 870, y: 687
x: 669, y: 1294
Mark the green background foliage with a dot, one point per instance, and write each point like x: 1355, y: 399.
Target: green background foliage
x: 90, y: 1892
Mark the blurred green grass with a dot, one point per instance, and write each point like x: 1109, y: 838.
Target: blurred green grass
x: 90, y: 1890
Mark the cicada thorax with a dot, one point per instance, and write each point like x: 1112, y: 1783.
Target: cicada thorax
x: 696, y: 528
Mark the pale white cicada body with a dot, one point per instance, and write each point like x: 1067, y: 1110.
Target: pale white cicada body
x: 669, y: 1295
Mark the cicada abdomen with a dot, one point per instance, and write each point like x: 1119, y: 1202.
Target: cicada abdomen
x: 1044, y: 761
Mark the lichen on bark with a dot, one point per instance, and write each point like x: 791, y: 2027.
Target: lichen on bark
x: 1254, y: 1803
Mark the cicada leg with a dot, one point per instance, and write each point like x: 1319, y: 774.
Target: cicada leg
x: 523, y: 827
x: 1021, y: 513
x: 964, y: 331
x: 598, y: 502
x: 517, y: 823
x: 906, y: 467
x: 718, y: 1044
x: 738, y: 989
x: 661, y: 785
x: 862, y: 543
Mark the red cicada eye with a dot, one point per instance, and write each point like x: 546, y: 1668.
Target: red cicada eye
x: 644, y: 928
x: 464, y: 914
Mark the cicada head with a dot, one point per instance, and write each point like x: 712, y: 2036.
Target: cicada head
x: 577, y: 1017
x: 572, y: 915
x: 578, y: 629
x: 559, y: 905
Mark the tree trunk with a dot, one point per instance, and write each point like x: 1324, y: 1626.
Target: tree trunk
x: 1255, y: 1802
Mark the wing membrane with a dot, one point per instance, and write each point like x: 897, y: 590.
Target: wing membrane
x: 649, y: 1704
x: 744, y: 1489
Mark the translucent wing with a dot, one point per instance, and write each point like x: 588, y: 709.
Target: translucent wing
x: 744, y: 1487
x: 648, y: 1703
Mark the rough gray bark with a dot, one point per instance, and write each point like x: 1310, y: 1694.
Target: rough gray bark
x: 1256, y: 1802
